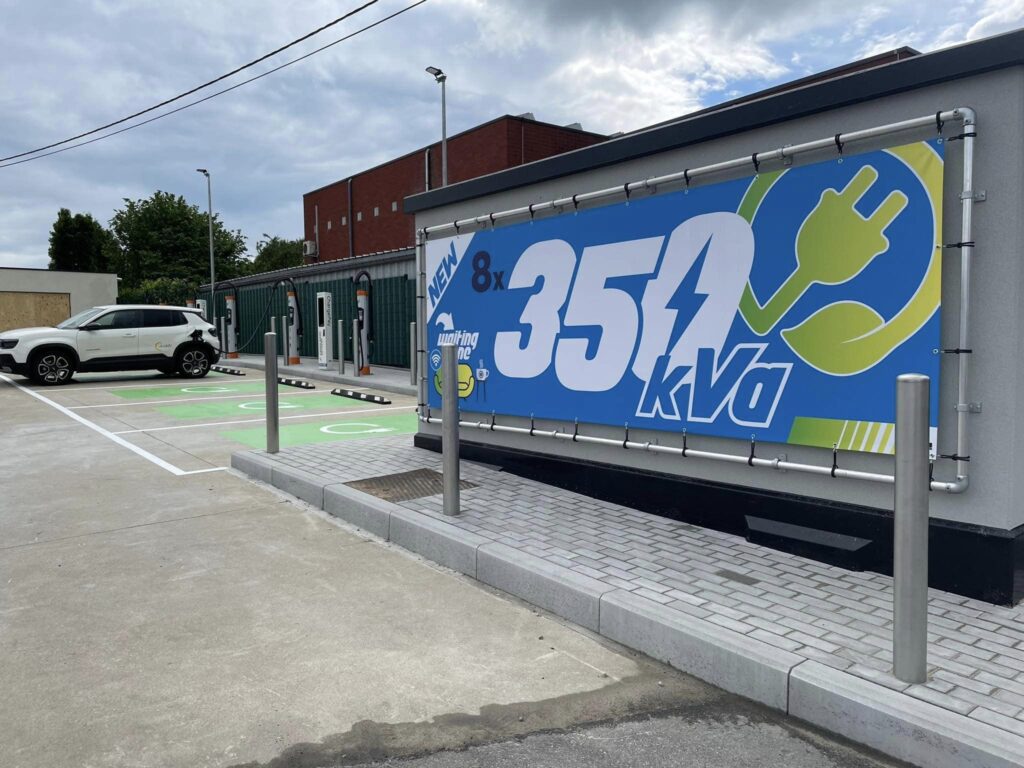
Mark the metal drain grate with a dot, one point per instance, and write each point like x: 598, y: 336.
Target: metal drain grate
x: 405, y: 486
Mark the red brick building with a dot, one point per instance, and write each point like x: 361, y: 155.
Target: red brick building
x: 363, y: 213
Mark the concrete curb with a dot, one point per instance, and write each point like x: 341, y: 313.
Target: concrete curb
x: 571, y: 595
x: 891, y: 722
x: 303, y: 485
x: 334, y: 378
x: 436, y: 540
x: 727, y: 659
x: 360, y: 509
x: 254, y: 465
x: 897, y: 724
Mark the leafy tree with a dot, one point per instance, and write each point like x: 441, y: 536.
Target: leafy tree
x: 277, y: 253
x: 161, y: 290
x: 163, y: 236
x: 80, y: 243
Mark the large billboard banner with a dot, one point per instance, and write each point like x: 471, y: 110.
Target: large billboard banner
x: 779, y: 307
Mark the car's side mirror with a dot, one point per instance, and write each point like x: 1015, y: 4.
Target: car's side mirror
x: 89, y: 327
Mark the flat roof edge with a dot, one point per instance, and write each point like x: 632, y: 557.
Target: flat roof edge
x: 966, y: 60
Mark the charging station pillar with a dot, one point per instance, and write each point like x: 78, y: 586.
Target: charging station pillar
x: 201, y: 304
x: 324, y: 330
x: 293, y: 329
x: 230, y: 341
x: 363, y: 305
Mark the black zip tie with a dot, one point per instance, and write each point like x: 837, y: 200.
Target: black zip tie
x: 575, y: 204
x: 575, y: 429
x: 428, y: 413
x: 491, y: 217
x: 757, y: 165
x: 938, y: 122
x: 530, y: 207
x: 492, y: 421
x: 750, y: 461
x: 835, y: 458
x: 686, y: 177
x: 962, y: 136
x: 954, y: 457
x: 957, y: 351
x: 839, y: 144
x: 456, y: 225
x: 531, y: 425
x: 684, y: 443
x: 964, y: 244
x: 625, y: 188
x: 624, y: 446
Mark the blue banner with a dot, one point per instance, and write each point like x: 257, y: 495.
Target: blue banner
x: 780, y: 307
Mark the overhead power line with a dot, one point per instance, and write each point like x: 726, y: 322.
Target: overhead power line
x: 217, y: 93
x: 189, y: 92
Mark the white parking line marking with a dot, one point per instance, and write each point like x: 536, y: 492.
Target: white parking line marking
x: 184, y: 400
x: 160, y: 383
x: 111, y: 435
x: 256, y: 421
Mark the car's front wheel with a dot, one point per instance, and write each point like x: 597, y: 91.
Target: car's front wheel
x: 193, y: 362
x: 50, y: 367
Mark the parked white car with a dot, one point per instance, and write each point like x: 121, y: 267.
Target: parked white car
x: 129, y: 337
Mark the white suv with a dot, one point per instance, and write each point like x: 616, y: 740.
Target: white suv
x: 113, y: 338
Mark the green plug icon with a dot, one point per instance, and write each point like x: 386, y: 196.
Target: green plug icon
x: 834, y: 244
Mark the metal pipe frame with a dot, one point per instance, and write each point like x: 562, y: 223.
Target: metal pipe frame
x: 966, y: 116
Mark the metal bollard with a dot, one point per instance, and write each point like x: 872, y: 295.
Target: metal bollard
x: 273, y: 325
x: 284, y: 340
x: 270, y: 367
x: 910, y: 539
x: 412, y: 354
x: 341, y: 347
x: 450, y: 427
x: 223, y: 338
x: 356, y: 350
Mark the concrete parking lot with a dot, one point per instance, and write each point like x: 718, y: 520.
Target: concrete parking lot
x: 157, y: 609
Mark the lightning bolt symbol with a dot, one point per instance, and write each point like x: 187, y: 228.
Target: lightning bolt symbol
x: 686, y: 301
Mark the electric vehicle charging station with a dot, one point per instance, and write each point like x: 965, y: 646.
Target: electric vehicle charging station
x: 363, y: 305
x: 201, y: 304
x: 362, y: 365
x: 324, y: 329
x: 230, y: 343
x: 293, y: 329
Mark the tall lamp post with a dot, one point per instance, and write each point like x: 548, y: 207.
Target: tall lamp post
x: 209, y: 219
x: 440, y: 77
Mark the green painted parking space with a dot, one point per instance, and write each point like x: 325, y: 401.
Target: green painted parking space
x: 288, y: 404
x: 330, y: 430
x: 185, y: 388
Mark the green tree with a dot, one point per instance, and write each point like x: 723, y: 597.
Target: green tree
x: 277, y: 253
x: 163, y: 236
x: 80, y: 243
x: 160, y: 290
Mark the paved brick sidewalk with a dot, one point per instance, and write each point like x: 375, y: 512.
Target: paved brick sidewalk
x: 838, y: 618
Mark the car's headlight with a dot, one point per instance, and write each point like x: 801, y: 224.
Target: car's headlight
x: 8, y: 343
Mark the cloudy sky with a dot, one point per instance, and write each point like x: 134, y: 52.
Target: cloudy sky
x: 67, y: 66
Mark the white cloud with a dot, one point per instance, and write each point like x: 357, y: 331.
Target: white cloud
x: 69, y: 65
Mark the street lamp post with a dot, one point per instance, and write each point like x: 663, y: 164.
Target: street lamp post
x: 441, y: 77
x: 209, y: 219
